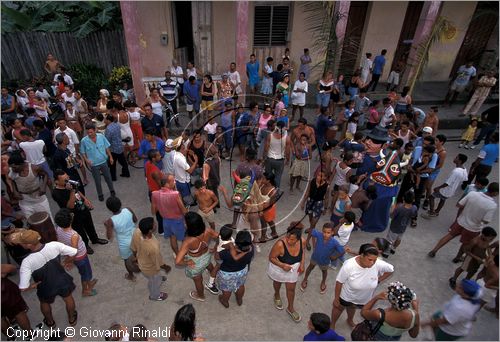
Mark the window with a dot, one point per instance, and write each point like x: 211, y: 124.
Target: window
x: 270, y: 25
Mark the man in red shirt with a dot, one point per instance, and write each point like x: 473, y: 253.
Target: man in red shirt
x: 153, y: 178
x: 168, y: 202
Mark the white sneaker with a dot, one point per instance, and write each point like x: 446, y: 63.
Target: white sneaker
x: 466, y: 147
x: 333, y: 267
x: 257, y: 248
x: 472, y: 147
x: 461, y: 145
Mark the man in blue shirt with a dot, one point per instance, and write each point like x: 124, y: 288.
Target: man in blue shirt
x: 323, y: 122
x: 378, y: 69
x: 113, y: 134
x: 253, y: 74
x: 488, y: 155
x: 192, y: 92
x: 94, y: 149
x: 154, y: 121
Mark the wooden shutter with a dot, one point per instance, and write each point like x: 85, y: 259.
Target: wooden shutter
x: 270, y: 25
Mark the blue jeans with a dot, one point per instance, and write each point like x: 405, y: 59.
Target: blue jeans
x: 485, y: 133
x: 84, y: 268
x: 323, y: 99
x: 228, y: 137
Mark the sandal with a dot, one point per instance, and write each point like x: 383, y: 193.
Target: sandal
x: 322, y: 289
x: 74, y: 320
x: 193, y: 295
x: 49, y: 325
x: 302, y: 287
x: 294, y: 315
x: 92, y: 292
x: 278, y: 304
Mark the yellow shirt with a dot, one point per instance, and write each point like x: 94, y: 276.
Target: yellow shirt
x: 148, y: 253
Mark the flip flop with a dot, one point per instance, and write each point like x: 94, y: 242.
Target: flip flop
x: 322, y: 289
x: 278, y: 304
x: 47, y: 323
x: 303, y: 288
x: 193, y: 296
x: 75, y: 319
x: 294, y: 315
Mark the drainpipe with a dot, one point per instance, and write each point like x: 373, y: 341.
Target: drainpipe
x: 242, y: 43
x: 430, y: 13
x: 131, y: 28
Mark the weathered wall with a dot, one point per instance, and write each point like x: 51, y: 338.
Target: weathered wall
x: 384, y: 21
x: 155, y: 18
x: 224, y: 35
x: 442, y: 55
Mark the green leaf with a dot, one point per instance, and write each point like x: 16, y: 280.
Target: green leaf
x: 20, y: 19
x: 86, y: 28
x: 52, y: 26
x: 103, y: 18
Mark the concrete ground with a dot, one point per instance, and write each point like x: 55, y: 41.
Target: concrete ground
x: 119, y: 300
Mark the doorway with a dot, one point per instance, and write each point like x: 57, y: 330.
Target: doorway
x: 183, y: 27
x: 407, y: 31
x: 352, y: 40
x: 484, y: 20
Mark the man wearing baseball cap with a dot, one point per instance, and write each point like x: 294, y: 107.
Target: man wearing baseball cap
x: 51, y: 280
x: 168, y: 158
x: 426, y: 131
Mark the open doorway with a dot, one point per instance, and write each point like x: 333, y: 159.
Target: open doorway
x: 184, y: 49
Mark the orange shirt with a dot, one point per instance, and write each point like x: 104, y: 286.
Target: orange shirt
x: 150, y: 169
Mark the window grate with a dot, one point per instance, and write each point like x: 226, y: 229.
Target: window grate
x: 270, y: 25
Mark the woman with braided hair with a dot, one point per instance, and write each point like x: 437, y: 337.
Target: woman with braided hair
x: 401, y: 316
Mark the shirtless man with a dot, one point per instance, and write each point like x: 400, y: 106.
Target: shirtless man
x: 303, y: 129
x: 431, y: 120
x: 489, y: 283
x: 207, y: 201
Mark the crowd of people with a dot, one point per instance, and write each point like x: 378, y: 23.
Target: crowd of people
x: 377, y: 162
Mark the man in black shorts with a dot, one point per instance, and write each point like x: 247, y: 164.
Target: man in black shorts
x: 51, y: 280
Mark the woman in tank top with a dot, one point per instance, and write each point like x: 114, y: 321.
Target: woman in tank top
x: 268, y: 190
x: 82, y: 108
x: 102, y: 102
x: 207, y: 96
x: 403, y: 102
x: 286, y: 262
x: 156, y: 102
x: 325, y: 87
x: 73, y: 119
x: 134, y: 113
x: 355, y: 84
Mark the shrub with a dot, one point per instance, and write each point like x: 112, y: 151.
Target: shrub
x: 89, y: 79
x: 118, y: 76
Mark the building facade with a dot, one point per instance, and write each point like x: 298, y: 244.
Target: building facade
x: 214, y: 34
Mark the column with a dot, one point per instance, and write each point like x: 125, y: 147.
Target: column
x: 242, y: 43
x: 428, y: 16
x: 132, y: 35
x: 341, y: 8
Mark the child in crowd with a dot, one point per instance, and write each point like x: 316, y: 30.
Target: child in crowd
x: 326, y: 249
x: 341, y: 174
x: 449, y: 187
x: 220, y: 141
x: 406, y: 158
x: 278, y: 105
x: 283, y: 117
x: 300, y: 167
x: 476, y: 251
x: 341, y: 205
x: 225, y: 241
x: 488, y: 281
x: 69, y: 237
x: 352, y: 126
x: 313, y: 201
x: 401, y: 216
x: 100, y: 125
x: 319, y: 324
x: 211, y: 129
x: 468, y: 135
x: 480, y: 185
x: 420, y: 166
x: 342, y: 233
x: 207, y: 201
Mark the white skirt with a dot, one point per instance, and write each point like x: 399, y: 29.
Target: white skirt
x: 278, y: 274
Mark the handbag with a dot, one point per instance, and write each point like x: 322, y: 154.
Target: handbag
x: 366, y: 330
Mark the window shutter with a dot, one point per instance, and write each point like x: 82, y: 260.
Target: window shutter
x: 262, y: 25
x: 279, y: 25
x: 270, y: 25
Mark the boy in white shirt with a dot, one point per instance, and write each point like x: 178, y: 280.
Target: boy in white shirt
x: 211, y: 129
x: 449, y: 187
x: 343, y: 233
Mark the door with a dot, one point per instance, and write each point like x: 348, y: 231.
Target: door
x: 408, y: 31
x: 202, y: 35
x: 484, y: 21
x: 183, y: 28
x: 352, y: 39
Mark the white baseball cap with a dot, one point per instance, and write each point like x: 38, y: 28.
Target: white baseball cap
x: 427, y: 129
x: 169, y: 143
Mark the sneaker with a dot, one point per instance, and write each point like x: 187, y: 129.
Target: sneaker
x: 162, y: 297
x: 461, y: 145
x: 257, y: 248
x: 212, y: 289
x: 472, y: 147
x: 466, y: 147
x: 333, y: 267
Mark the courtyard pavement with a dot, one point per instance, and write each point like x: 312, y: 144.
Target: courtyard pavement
x: 119, y: 300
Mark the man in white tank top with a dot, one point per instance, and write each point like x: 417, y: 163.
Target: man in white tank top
x: 277, y: 151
